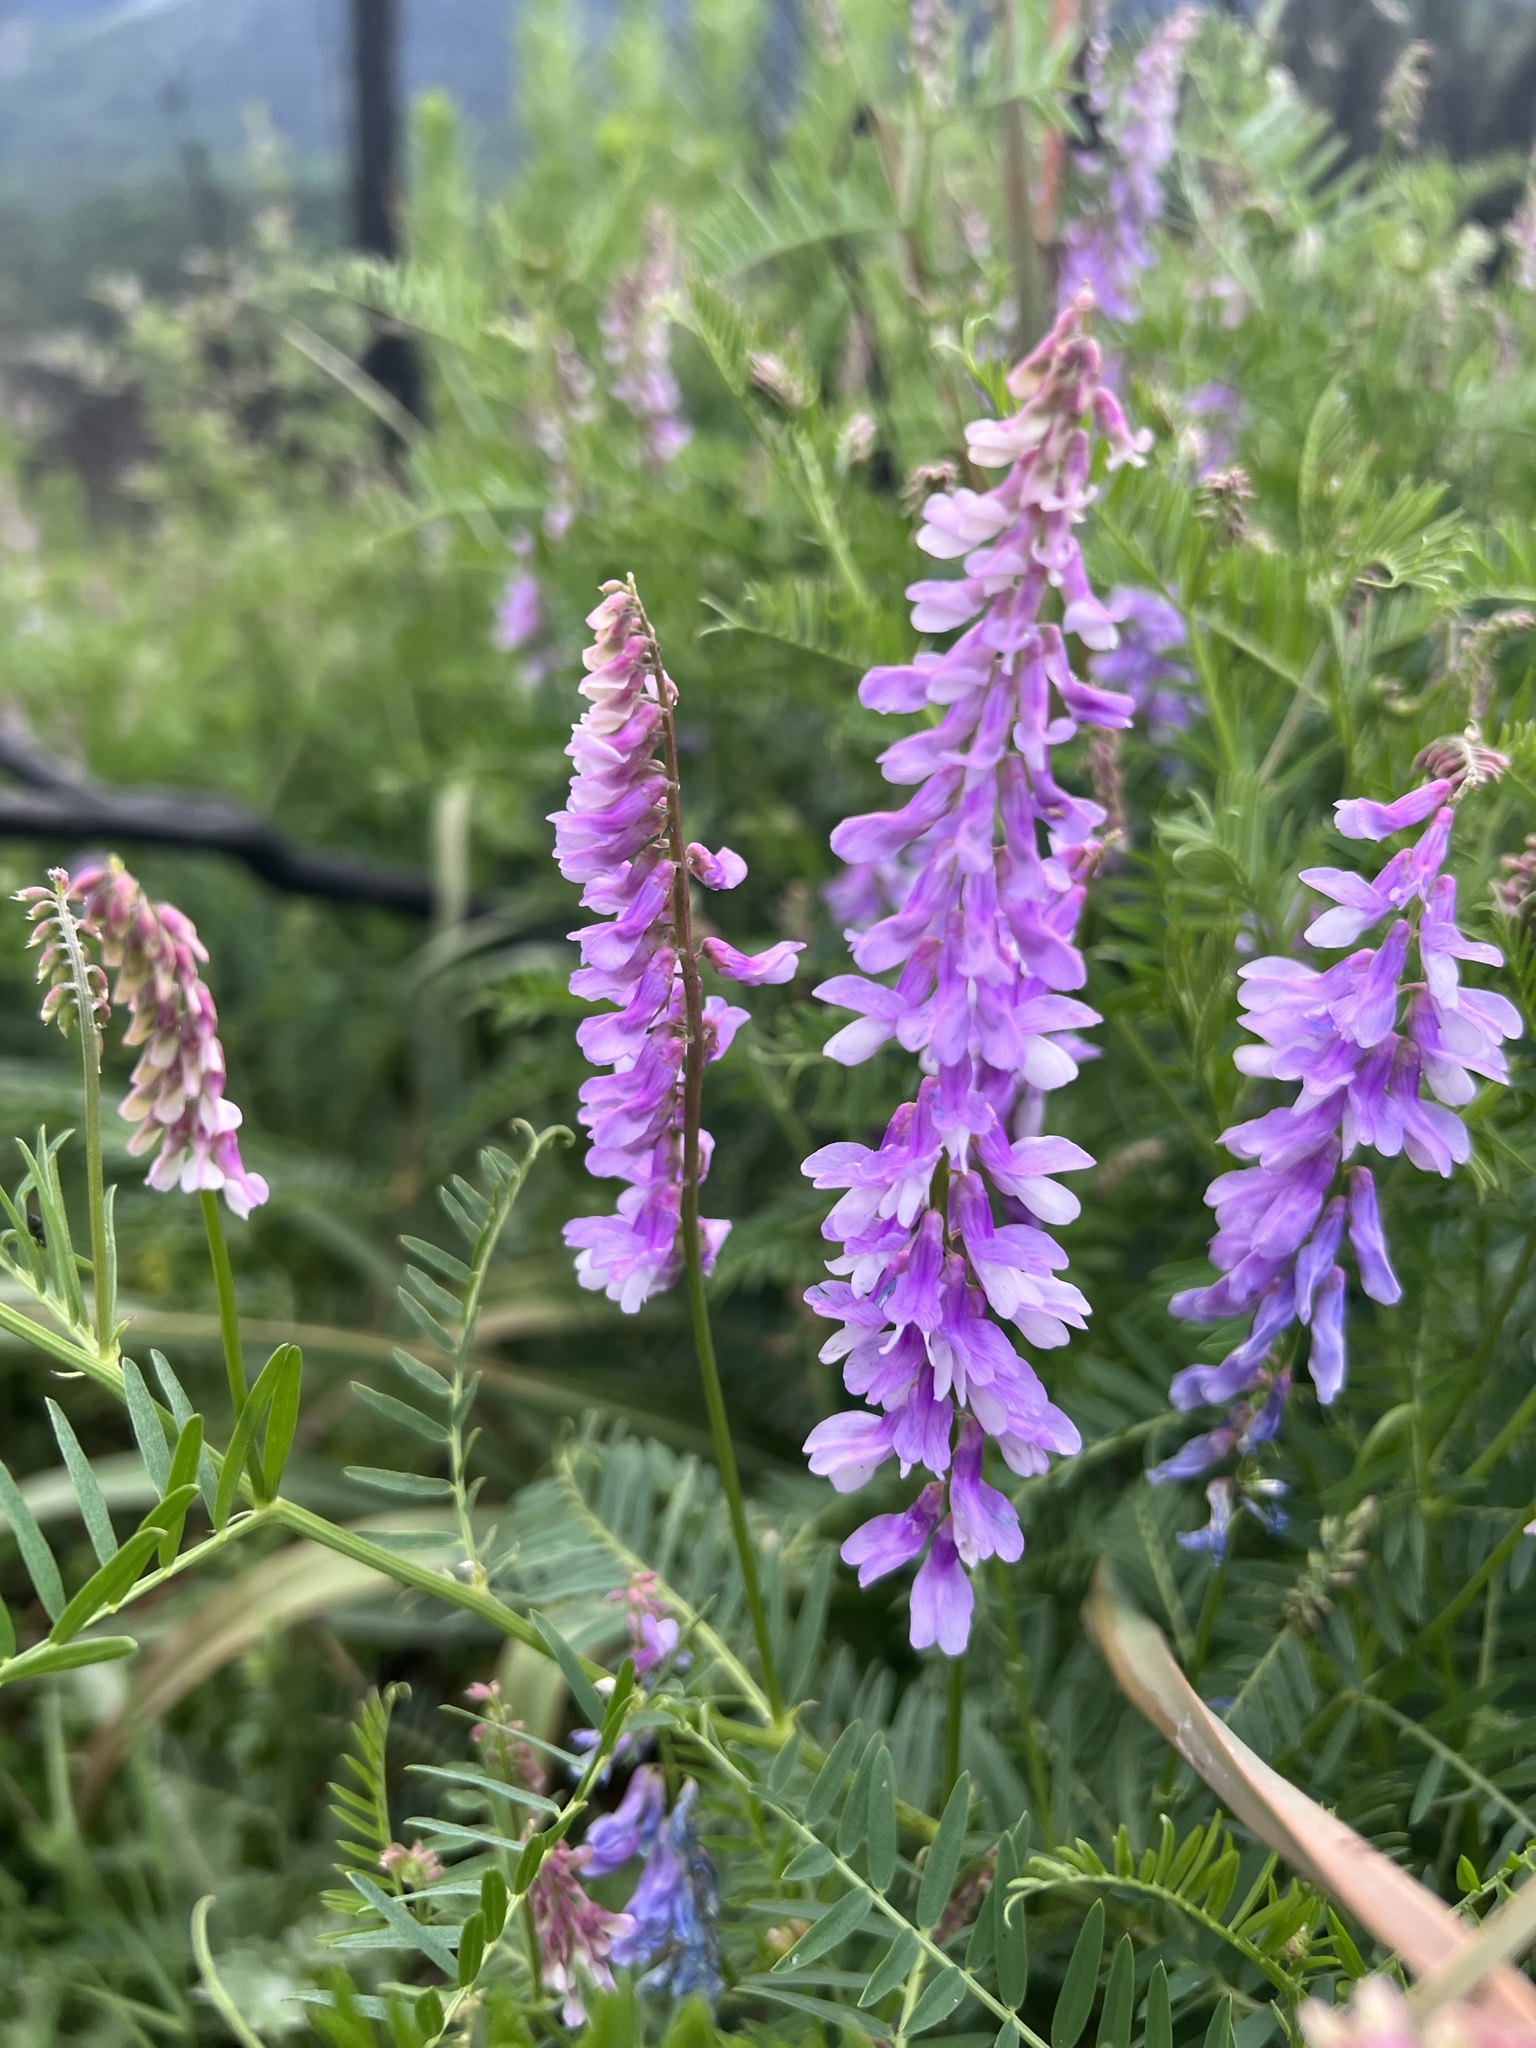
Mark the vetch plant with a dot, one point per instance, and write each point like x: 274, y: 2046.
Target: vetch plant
x: 999, y: 856
x: 621, y: 835
x: 1385, y: 1058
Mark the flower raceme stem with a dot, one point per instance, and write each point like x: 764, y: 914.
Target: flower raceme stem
x: 1385, y: 1045
x: 944, y: 1228
x: 621, y: 836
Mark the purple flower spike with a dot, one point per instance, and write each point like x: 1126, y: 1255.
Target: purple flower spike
x: 1363, y: 1039
x: 965, y: 904
x: 614, y: 837
x: 1107, y: 251
x: 637, y: 342
x: 576, y: 1935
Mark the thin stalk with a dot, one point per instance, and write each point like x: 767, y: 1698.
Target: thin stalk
x: 1018, y: 1674
x: 90, y: 1067
x: 229, y: 1315
x: 1205, y: 1626
x: 1023, y: 251
x: 1510, y: 1434
x: 693, y: 1105
x: 1462, y: 1600
x: 954, y: 1712
x: 229, y: 1320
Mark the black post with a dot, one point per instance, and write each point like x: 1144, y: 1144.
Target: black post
x: 391, y: 359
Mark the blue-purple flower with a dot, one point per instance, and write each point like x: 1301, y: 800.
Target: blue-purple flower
x: 676, y: 1904
x: 1148, y: 663
x: 943, y: 1227
x: 1383, y: 1059
x: 613, y: 837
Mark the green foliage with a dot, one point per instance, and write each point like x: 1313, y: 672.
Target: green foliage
x: 277, y: 603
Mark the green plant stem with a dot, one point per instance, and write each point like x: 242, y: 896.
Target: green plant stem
x: 954, y: 1711
x: 1462, y: 1600
x: 229, y: 1315
x: 1205, y: 1625
x: 1509, y: 1435
x: 90, y: 1067
x: 693, y: 1104
x: 1023, y: 251
x: 229, y: 1321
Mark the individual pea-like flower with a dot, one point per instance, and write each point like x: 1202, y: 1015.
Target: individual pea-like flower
x: 577, y: 1937
x: 620, y: 837
x: 1384, y: 1057
x: 653, y: 1633
x: 1107, y: 251
x: 1227, y: 1499
x: 412, y: 1868
x: 177, y: 1097
x: 943, y: 1228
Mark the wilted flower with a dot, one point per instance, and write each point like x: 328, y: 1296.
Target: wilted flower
x: 411, y: 1868
x: 1227, y: 1499
x: 613, y: 837
x: 856, y: 440
x: 1516, y: 894
x: 1402, y: 97
x: 1334, y: 1564
x: 500, y: 1739
x: 576, y: 1935
x: 177, y: 1097
x: 993, y: 853
x: 1212, y: 416
x: 776, y: 380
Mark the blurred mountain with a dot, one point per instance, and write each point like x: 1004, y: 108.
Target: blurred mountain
x: 91, y: 94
